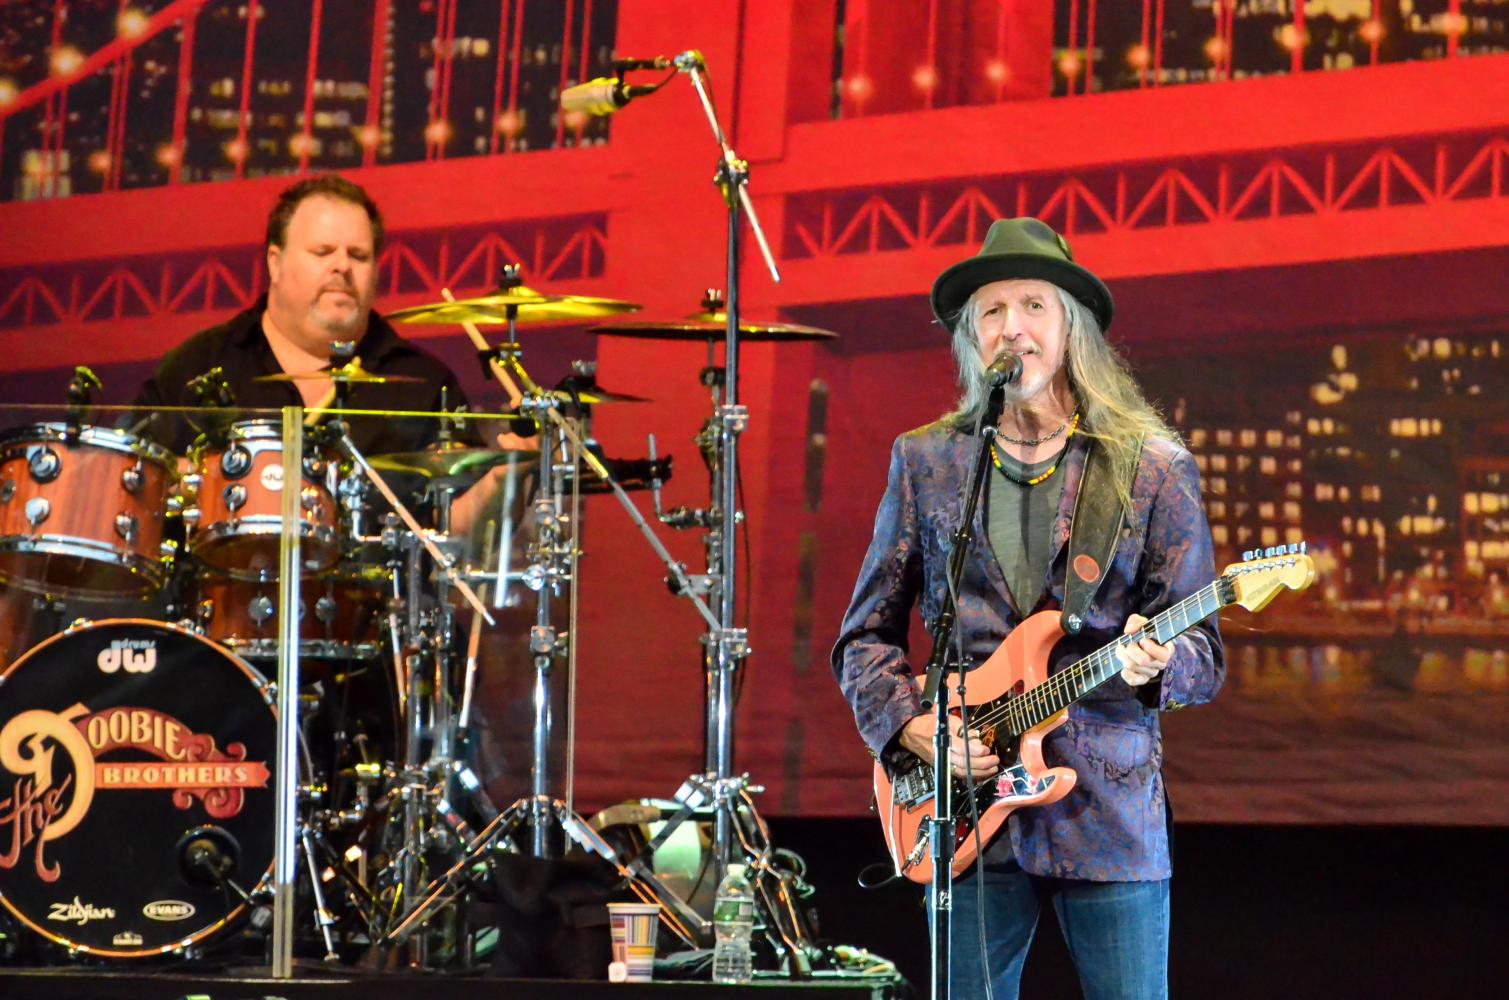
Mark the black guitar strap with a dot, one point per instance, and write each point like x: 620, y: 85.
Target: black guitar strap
x: 1093, y: 533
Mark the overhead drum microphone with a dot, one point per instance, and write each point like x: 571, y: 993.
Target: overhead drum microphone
x: 602, y: 96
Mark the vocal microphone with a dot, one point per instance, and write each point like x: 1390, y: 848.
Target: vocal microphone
x: 602, y: 96
x: 1005, y: 369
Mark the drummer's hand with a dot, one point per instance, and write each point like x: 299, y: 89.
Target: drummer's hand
x: 509, y: 441
x: 917, y: 736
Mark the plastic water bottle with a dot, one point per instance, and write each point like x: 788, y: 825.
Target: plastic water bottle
x: 733, y: 925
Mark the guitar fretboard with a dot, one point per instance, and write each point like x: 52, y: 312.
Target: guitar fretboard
x: 1058, y: 692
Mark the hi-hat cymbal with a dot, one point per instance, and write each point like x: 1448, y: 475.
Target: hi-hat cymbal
x: 712, y: 326
x: 449, y: 463
x: 526, y: 305
x: 350, y: 373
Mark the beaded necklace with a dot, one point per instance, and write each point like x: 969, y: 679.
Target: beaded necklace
x: 1043, y: 477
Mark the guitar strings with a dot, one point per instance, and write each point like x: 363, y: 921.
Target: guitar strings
x: 1034, y: 706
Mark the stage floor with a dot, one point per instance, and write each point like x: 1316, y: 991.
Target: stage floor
x: 54, y: 984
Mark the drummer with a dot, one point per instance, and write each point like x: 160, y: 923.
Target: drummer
x: 323, y: 237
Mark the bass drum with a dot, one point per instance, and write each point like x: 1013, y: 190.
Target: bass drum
x: 138, y: 758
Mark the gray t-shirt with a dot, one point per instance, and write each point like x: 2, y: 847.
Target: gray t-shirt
x: 1019, y: 523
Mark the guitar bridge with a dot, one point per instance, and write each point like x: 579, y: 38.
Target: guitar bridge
x: 914, y: 787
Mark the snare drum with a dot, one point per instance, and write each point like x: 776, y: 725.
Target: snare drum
x: 81, y: 511
x: 237, y: 521
x: 126, y: 746
x: 348, y: 614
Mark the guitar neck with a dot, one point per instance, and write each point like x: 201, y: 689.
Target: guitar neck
x: 1062, y: 689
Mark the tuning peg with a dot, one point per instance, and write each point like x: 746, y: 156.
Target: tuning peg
x: 1248, y: 555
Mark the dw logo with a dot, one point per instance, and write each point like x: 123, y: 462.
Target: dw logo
x: 136, y: 655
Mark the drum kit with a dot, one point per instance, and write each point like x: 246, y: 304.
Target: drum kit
x: 141, y: 752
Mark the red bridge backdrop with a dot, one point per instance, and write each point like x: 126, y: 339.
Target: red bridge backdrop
x: 1308, y: 267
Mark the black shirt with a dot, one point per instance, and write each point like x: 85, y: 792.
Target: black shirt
x: 240, y: 347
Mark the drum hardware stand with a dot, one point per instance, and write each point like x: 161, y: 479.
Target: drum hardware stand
x: 413, y: 789
x: 726, y: 644
x: 503, y: 362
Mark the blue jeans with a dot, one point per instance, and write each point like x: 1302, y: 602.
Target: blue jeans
x: 1117, y: 933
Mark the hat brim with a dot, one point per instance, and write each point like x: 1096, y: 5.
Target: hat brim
x: 955, y: 285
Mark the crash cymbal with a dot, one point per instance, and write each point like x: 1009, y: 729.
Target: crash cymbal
x: 712, y: 326
x: 597, y: 395
x: 449, y: 463
x: 350, y: 373
x: 582, y: 390
x: 526, y: 304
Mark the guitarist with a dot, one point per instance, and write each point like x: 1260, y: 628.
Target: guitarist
x: 1078, y: 445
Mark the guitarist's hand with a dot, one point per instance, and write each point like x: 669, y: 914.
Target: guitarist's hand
x: 1144, y: 660
x: 917, y: 736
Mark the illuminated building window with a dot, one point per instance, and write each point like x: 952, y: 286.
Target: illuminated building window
x: 1201, y: 463
x: 1296, y: 466
x: 1218, y: 534
x: 1274, y: 439
x: 1266, y: 510
x: 1324, y: 491
x: 1217, y: 509
x: 1270, y: 536
x: 1344, y: 494
x: 1244, y: 462
x: 1295, y: 491
x: 1291, y: 512
x: 1249, y: 439
x: 1223, y: 438
x: 1218, y: 486
x: 1197, y: 437
x: 1268, y: 465
x: 1218, y: 463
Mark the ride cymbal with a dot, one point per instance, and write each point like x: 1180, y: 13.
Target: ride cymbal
x: 449, y: 463
x: 524, y: 303
x: 712, y: 326
x: 351, y: 374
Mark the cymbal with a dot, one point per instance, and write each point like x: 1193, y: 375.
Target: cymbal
x: 584, y: 391
x: 713, y: 326
x: 449, y: 463
x: 527, y: 305
x: 597, y: 394
x: 349, y: 373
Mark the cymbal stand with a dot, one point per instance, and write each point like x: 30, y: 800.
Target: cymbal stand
x: 678, y: 916
x: 726, y: 643
x: 414, y: 790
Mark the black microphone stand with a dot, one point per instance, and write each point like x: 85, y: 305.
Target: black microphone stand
x: 941, y: 827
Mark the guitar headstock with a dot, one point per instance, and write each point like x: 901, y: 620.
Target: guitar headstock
x: 1266, y: 572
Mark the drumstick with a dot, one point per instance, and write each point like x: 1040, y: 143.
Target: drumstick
x: 313, y: 417
x: 480, y: 342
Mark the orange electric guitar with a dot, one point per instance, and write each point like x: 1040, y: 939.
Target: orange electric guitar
x: 1014, y: 703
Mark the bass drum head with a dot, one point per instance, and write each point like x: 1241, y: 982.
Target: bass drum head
x: 134, y: 755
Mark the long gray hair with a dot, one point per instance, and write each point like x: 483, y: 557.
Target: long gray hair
x: 1112, y: 408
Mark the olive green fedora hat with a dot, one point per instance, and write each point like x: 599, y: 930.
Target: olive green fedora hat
x: 1020, y: 248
